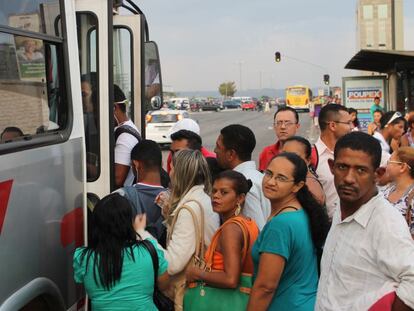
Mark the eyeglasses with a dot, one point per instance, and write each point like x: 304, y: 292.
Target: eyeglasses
x: 342, y: 122
x: 285, y: 123
x: 277, y: 178
x: 398, y: 162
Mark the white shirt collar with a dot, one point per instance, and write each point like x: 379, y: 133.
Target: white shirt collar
x: 321, y: 146
x: 363, y: 214
x: 248, y: 165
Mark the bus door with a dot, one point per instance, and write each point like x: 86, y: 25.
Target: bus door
x: 94, y: 57
x: 136, y: 67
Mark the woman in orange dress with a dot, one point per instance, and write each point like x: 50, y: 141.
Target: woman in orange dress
x: 229, y: 254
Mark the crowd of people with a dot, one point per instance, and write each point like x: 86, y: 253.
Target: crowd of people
x: 327, y: 226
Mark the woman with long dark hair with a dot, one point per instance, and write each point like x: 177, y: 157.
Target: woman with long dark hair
x: 115, y: 268
x: 287, y: 252
x: 302, y: 147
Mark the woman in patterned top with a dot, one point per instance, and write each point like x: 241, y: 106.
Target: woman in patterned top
x: 400, y: 192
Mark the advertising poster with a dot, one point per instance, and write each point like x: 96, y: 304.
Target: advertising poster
x: 360, y: 92
x: 30, y: 59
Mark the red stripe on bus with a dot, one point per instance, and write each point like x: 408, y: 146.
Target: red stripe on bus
x: 5, y: 189
x: 71, y: 228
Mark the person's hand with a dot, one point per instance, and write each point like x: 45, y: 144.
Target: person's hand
x: 163, y: 201
x: 193, y: 273
x: 140, y: 222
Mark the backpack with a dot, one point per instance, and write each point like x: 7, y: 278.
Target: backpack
x: 127, y: 129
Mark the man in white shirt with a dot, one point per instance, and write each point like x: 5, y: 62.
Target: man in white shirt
x: 234, y: 148
x: 334, y: 122
x: 126, y: 137
x: 368, y: 255
x: 392, y: 127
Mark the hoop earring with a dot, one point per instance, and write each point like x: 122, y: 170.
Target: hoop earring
x: 238, y: 209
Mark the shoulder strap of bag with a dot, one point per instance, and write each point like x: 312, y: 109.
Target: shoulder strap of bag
x: 214, y: 242
x: 198, y: 227
x: 127, y: 129
x: 154, y: 256
x: 409, y: 212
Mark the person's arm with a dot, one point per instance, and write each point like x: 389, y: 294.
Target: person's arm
x: 231, y: 241
x: 271, y: 267
x: 316, y: 190
x: 404, y: 141
x: 121, y: 173
x: 183, y: 242
x: 394, y: 235
x: 163, y: 281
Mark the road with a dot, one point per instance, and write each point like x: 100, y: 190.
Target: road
x: 259, y: 122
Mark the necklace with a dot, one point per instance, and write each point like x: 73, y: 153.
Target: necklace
x: 279, y: 211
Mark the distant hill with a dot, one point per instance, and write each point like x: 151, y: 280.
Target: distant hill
x: 253, y: 93
x: 273, y: 93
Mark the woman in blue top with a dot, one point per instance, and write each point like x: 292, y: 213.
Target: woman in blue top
x: 287, y: 252
x: 117, y: 271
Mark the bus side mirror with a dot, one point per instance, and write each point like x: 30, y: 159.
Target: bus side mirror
x: 156, y: 102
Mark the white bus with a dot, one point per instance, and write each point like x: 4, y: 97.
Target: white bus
x: 59, y: 60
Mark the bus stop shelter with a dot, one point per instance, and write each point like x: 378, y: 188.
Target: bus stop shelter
x: 399, y: 67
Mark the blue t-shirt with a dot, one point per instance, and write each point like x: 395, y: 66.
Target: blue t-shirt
x: 375, y: 108
x: 288, y: 235
x: 135, y: 288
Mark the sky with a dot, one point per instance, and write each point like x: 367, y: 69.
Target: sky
x: 204, y: 43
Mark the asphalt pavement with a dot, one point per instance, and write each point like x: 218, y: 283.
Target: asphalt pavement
x: 261, y: 123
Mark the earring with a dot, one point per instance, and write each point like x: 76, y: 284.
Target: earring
x: 238, y: 209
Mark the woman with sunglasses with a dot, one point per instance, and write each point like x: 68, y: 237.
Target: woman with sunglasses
x: 287, y: 252
x: 392, y: 128
x: 400, y: 192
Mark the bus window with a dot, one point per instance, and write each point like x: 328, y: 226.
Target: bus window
x: 30, y: 89
x: 122, y: 65
x: 88, y: 52
x: 30, y: 15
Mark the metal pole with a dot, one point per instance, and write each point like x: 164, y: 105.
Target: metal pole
x: 240, y: 73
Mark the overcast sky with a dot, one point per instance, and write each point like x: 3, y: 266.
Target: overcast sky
x: 202, y: 43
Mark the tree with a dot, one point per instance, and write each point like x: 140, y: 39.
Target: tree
x: 228, y: 88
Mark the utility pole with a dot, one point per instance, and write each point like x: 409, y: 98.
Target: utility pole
x: 240, y: 63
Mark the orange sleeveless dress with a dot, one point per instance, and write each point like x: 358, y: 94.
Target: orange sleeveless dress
x: 216, y: 258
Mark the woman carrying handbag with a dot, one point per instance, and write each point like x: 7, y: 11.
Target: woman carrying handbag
x: 191, y: 221
x: 226, y: 279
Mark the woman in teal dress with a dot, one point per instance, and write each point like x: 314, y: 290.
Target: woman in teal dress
x: 117, y: 272
x: 287, y: 252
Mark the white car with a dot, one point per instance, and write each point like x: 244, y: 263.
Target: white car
x: 160, y: 122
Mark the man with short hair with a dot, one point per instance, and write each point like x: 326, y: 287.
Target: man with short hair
x: 234, y: 148
x: 334, y: 122
x: 367, y: 261
x: 146, y: 161
x: 285, y: 124
x: 375, y: 106
x: 126, y: 137
x: 185, y: 134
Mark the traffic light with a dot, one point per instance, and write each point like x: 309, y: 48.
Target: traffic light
x: 277, y: 57
x: 326, y: 79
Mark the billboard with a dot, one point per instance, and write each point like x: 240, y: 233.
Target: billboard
x: 359, y: 92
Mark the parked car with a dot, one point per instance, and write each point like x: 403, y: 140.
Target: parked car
x: 248, y: 105
x: 159, y: 122
x: 206, y: 106
x: 231, y: 104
